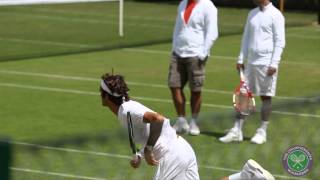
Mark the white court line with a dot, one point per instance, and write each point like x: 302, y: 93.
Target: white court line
x: 71, y: 150
x: 128, y: 16
x: 141, y: 50
x: 92, y: 21
x: 49, y: 43
x: 54, y: 174
x: 135, y: 17
x: 56, y: 43
x: 115, y: 156
x: 46, y: 10
x: 141, y: 98
x: 302, y: 36
x: 72, y: 91
x: 305, y: 28
x: 31, y: 2
x: 129, y: 82
x: 168, y: 53
x: 87, y: 20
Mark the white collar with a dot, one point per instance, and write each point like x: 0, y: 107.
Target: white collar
x: 266, y: 7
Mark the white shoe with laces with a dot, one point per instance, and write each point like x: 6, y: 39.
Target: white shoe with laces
x: 181, y: 125
x: 234, y: 135
x: 193, y: 128
x: 260, y: 137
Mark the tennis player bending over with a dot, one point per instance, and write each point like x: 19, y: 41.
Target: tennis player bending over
x: 173, y: 156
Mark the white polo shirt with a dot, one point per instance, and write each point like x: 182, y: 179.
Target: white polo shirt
x: 141, y: 130
x: 196, y: 37
x: 264, y: 37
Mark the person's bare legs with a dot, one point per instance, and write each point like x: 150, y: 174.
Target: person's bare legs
x: 195, y: 104
x: 195, y: 109
x: 265, y: 109
x: 261, y: 135
x: 179, y: 100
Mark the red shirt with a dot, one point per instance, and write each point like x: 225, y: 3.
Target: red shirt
x: 191, y: 4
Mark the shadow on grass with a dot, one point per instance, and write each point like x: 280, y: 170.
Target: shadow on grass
x: 217, y: 135
x: 85, y: 50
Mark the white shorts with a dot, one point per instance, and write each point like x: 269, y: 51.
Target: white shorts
x: 179, y: 163
x: 258, y: 81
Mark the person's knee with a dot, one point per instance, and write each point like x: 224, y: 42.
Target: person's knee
x: 176, y: 90
x: 196, y: 93
x: 265, y: 98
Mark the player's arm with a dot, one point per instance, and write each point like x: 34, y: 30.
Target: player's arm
x: 156, y: 122
x: 150, y: 117
x: 177, y: 28
x: 244, y: 45
x: 278, y: 28
x: 211, y: 29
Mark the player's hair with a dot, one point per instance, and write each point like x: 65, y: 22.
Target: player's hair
x: 117, y: 85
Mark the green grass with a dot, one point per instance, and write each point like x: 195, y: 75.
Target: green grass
x: 40, y: 108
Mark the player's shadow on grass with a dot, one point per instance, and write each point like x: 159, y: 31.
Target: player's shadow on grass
x: 217, y: 135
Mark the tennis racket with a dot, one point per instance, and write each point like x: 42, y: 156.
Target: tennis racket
x: 131, y: 135
x: 243, y: 99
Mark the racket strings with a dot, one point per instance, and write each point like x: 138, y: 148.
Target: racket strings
x: 243, y: 100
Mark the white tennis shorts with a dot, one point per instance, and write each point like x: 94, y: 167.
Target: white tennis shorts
x: 258, y: 81
x: 179, y: 163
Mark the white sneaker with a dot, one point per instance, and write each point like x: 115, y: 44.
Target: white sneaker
x: 260, y: 137
x: 193, y: 128
x: 234, y: 134
x: 181, y: 125
x: 253, y: 171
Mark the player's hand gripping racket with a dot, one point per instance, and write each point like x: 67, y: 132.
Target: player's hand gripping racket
x: 243, y: 100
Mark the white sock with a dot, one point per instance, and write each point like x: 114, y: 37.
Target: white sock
x: 264, y: 125
x: 194, y: 118
x: 195, y: 121
x: 238, y: 124
x: 181, y: 118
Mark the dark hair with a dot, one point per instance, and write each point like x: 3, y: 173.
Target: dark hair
x: 117, y: 85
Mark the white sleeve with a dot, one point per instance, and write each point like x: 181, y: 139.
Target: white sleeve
x: 211, y: 28
x: 177, y: 28
x: 279, y: 40
x: 244, y: 43
x: 136, y: 115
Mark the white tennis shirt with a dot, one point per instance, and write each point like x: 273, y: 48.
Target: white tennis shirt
x: 264, y: 37
x: 141, y: 130
x: 196, y: 37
